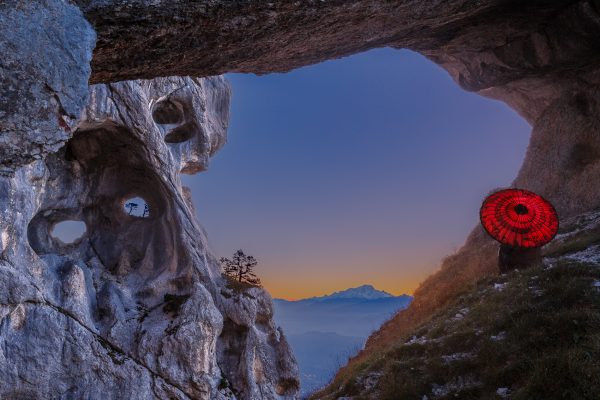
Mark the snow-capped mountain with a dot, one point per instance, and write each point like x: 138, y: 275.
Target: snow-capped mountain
x: 364, y: 292
x: 355, y: 312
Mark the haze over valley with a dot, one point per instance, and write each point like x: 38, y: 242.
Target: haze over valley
x: 324, y: 331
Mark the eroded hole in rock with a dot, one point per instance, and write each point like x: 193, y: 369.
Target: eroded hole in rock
x: 137, y: 207
x: 183, y: 133
x: 167, y: 112
x: 68, y: 232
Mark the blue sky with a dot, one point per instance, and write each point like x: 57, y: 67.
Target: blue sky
x: 366, y: 169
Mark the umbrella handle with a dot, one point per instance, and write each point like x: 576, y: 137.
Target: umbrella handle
x: 511, y: 258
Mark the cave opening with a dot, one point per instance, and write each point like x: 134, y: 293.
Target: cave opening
x: 376, y: 159
x: 362, y: 173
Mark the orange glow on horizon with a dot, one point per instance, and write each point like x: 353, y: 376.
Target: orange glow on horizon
x: 304, y: 275
x: 293, y: 286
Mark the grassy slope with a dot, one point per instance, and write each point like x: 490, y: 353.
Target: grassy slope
x: 537, y: 334
x: 458, y: 274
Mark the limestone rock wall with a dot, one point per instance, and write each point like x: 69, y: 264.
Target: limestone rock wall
x: 136, y: 308
x: 46, y: 49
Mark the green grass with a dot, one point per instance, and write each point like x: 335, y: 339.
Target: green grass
x: 580, y: 239
x: 578, y: 243
x: 548, y: 321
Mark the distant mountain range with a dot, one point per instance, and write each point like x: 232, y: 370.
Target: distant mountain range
x: 364, y: 292
x: 324, y: 331
x: 352, y: 312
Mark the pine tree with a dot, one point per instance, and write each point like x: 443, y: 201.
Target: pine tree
x: 240, y: 268
x: 131, y: 206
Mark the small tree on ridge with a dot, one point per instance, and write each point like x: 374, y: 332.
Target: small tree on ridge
x: 240, y: 268
x: 131, y: 206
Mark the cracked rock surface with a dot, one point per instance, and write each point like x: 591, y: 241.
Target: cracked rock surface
x: 136, y: 308
x: 526, y: 53
x: 46, y: 49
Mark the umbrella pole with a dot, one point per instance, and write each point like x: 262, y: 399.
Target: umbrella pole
x: 511, y: 258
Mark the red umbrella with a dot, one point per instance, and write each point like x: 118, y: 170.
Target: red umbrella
x: 519, y: 218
